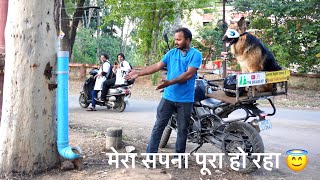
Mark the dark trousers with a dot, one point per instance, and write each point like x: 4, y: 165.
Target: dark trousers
x: 94, y: 96
x: 164, y: 112
x: 106, y: 86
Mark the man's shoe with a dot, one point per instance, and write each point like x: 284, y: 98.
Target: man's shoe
x: 91, y: 109
x: 99, y: 100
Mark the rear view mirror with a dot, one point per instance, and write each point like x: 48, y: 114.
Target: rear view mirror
x: 165, y: 36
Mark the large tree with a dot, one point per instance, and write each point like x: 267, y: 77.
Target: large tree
x: 28, y: 125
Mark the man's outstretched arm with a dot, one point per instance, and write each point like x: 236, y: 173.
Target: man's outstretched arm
x: 146, y: 71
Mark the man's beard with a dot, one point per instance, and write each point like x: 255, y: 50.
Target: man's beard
x: 183, y: 46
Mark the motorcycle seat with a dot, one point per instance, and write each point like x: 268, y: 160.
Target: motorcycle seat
x: 119, y: 85
x: 211, y: 102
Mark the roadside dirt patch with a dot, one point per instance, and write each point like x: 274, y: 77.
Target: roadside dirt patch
x: 96, y: 165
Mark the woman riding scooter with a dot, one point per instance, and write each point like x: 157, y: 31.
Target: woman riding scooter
x: 121, y: 71
x: 100, y: 79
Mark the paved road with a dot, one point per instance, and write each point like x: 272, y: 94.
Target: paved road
x: 290, y: 129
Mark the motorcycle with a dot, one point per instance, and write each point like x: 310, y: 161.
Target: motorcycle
x: 212, y: 121
x: 116, y: 96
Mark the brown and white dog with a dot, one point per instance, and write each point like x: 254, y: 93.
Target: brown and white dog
x: 250, y: 52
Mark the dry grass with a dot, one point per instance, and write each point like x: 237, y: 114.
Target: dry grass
x: 304, y: 83
x: 298, y: 98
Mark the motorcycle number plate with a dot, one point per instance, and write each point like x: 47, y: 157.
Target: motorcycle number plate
x: 264, y: 124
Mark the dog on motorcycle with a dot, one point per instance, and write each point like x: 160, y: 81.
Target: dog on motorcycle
x: 251, y: 53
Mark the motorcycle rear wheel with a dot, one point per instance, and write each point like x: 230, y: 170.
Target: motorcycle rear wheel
x: 251, y: 143
x: 83, y: 101
x: 120, y: 105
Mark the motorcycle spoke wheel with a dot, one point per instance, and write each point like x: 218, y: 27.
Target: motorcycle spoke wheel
x: 249, y: 141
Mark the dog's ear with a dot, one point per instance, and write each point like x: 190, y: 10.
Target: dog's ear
x: 242, y: 24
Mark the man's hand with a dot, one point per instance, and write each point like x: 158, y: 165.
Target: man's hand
x: 132, y: 75
x: 164, y: 83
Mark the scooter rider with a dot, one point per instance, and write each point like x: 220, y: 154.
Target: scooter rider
x: 122, y: 70
x: 100, y: 78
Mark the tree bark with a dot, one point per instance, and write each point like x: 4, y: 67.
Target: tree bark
x: 28, y: 125
x: 65, y: 28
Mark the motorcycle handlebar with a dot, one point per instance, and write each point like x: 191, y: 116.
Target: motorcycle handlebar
x: 213, y: 83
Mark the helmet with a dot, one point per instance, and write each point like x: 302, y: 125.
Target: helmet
x: 230, y: 83
x: 232, y: 34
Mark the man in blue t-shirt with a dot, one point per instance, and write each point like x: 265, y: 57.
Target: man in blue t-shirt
x: 182, y: 64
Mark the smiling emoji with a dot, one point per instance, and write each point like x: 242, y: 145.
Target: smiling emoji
x: 297, y: 159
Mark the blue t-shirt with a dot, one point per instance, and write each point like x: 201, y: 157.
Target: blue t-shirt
x: 177, y: 64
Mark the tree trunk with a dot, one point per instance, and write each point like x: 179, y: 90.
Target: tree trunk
x: 75, y: 22
x: 122, y: 35
x: 150, y: 59
x: 125, y: 40
x: 28, y: 126
x: 91, y: 11
x: 65, y: 28
x: 70, y: 29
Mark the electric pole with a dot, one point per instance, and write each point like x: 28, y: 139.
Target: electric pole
x: 224, y: 48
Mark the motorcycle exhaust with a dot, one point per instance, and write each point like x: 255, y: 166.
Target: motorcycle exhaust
x: 213, y: 141
x: 111, y: 98
x: 110, y: 104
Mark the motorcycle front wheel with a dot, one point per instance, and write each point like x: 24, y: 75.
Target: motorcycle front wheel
x: 246, y: 137
x: 165, y: 137
x: 83, y: 101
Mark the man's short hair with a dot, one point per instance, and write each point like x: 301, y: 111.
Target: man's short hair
x: 186, y: 32
x: 122, y: 55
x: 105, y: 55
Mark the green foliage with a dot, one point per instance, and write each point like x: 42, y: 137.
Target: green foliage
x: 154, y: 78
x: 211, y: 45
x: 133, y: 57
x: 70, y: 6
x: 110, y: 45
x: 293, y: 34
x: 87, y: 47
x: 151, y: 19
x: 238, y: 67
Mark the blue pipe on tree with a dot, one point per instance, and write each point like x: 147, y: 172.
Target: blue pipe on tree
x: 62, y: 72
